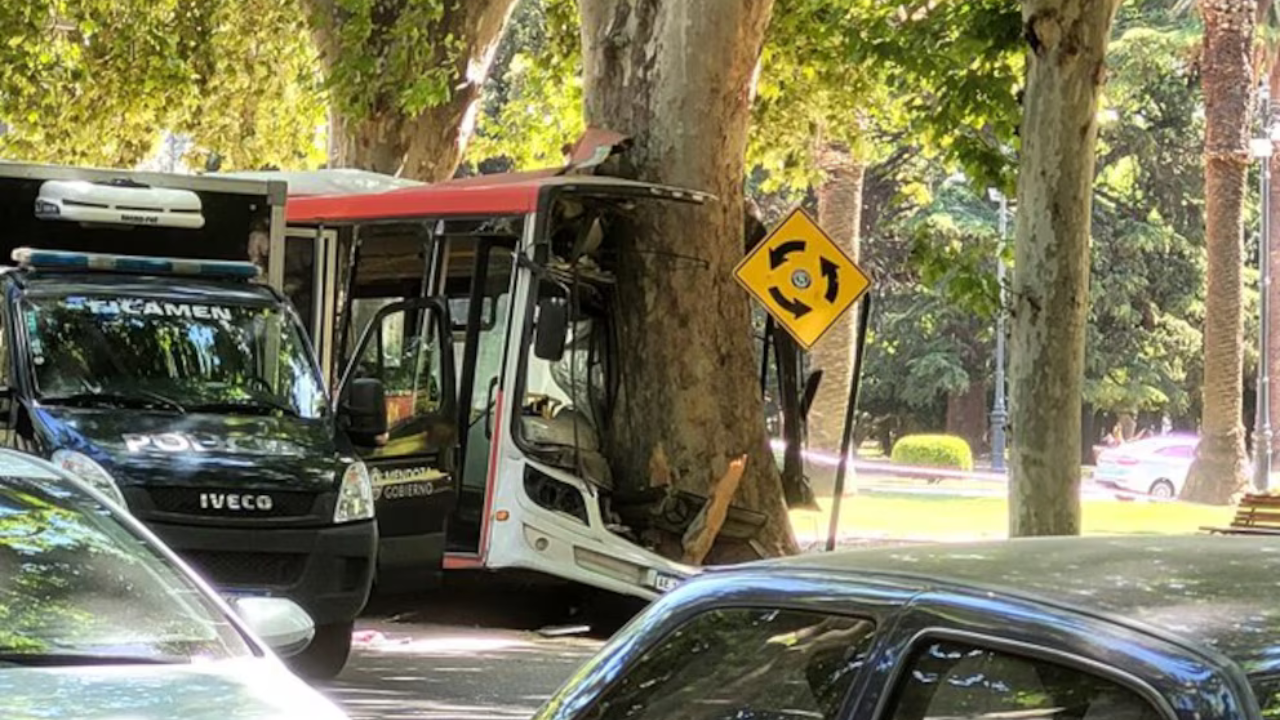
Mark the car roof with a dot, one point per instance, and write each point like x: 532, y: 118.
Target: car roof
x: 1217, y: 590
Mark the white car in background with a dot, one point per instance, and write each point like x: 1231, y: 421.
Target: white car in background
x: 1155, y: 466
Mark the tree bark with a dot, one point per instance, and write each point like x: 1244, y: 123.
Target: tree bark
x: 1227, y: 76
x: 1065, y: 73
x: 676, y: 77
x: 427, y: 145
x: 840, y: 215
x: 967, y: 416
x: 1273, y: 259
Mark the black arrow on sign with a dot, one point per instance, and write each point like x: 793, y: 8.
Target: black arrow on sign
x: 778, y: 255
x: 832, y: 272
x: 795, y: 307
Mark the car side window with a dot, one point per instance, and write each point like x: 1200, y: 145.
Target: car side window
x: 958, y: 680
x: 1178, y: 451
x: 743, y: 663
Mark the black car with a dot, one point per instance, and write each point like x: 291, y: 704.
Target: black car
x: 1139, y: 628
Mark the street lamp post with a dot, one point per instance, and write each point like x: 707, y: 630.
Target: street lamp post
x: 999, y: 411
x: 1263, y: 147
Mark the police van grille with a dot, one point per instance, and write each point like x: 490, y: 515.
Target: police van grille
x: 186, y: 501
x: 247, y: 568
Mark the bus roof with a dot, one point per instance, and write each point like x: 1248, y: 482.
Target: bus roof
x: 479, y: 196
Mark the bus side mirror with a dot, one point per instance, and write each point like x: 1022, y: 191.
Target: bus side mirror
x: 553, y: 329
x: 366, y: 411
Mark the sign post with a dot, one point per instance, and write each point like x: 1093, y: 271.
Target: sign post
x: 807, y: 282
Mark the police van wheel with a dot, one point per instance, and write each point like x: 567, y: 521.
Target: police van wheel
x: 327, y: 654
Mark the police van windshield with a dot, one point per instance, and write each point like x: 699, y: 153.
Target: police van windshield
x: 174, y: 356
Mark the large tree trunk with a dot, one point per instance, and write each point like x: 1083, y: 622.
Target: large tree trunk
x: 1218, y: 471
x: 1273, y: 259
x: 426, y: 144
x: 1065, y: 72
x: 840, y: 215
x: 967, y: 416
x: 676, y: 76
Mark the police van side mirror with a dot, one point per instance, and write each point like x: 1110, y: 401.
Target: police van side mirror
x: 553, y: 329
x: 365, y: 411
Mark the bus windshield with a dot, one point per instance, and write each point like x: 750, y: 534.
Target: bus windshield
x: 171, y: 355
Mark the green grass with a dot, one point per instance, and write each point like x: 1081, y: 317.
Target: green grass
x: 956, y: 518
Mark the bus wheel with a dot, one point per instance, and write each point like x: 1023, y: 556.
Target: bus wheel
x: 327, y: 654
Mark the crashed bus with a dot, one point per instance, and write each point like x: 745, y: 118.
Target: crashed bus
x: 526, y: 265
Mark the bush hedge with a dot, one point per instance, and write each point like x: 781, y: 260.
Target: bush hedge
x: 940, y: 451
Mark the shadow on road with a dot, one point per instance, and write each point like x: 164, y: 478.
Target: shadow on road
x: 427, y: 671
x: 508, y: 603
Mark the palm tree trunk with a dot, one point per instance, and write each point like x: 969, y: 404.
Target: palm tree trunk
x: 840, y: 215
x: 1273, y: 259
x: 1218, y: 471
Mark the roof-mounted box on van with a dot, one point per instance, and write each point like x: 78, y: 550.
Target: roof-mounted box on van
x: 118, y: 204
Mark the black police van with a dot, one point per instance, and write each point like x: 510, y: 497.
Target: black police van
x: 143, y: 349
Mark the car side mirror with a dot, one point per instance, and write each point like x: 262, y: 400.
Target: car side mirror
x: 366, y: 411
x: 553, y: 329
x: 279, y: 622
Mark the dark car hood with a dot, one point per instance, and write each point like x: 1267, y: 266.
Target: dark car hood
x: 240, y: 689
x: 148, y: 448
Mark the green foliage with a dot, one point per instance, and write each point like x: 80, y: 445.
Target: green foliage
x: 389, y: 54
x: 97, y: 81
x: 941, y: 451
x: 935, y: 301
x: 1147, y: 282
x: 533, y: 100
x: 954, y: 244
x: 874, y: 76
x: 259, y: 100
x: 809, y: 94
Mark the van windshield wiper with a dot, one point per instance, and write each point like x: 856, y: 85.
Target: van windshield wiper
x: 248, y: 406
x: 61, y: 659
x: 137, y: 399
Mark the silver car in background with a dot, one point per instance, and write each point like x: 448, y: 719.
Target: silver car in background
x: 1155, y: 466
x: 99, y: 620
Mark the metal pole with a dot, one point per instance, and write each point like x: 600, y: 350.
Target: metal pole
x: 1262, y: 429
x: 999, y: 411
x: 850, y: 418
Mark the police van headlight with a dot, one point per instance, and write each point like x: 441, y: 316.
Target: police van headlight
x: 84, y: 467
x: 355, y: 495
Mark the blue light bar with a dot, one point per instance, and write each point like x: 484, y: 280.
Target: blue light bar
x: 62, y: 260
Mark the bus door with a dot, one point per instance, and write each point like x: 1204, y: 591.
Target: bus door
x: 478, y: 279
x: 397, y: 334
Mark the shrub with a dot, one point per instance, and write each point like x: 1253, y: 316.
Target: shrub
x: 940, y: 451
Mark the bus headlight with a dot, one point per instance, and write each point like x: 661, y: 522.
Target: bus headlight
x: 355, y: 495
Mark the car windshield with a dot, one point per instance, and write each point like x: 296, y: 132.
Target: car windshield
x: 76, y: 583
x: 92, y: 350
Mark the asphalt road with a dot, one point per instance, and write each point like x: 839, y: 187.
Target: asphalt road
x: 465, y: 653
x: 418, y: 670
